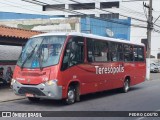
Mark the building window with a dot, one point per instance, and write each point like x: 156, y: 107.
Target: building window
x: 53, y: 7
x: 104, y: 5
x: 90, y: 15
x: 82, y: 6
x: 110, y: 16
x: 158, y: 56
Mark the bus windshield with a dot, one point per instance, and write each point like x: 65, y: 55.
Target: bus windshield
x: 41, y: 52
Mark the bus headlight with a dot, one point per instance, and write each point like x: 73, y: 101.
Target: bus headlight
x: 13, y: 81
x: 51, y: 82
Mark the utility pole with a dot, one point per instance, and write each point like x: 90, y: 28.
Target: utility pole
x: 149, y: 31
x: 149, y: 28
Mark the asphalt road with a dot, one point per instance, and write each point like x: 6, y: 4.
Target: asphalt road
x: 142, y: 97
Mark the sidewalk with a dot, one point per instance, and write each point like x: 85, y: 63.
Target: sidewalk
x: 6, y: 94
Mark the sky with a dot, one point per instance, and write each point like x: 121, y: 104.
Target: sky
x: 19, y: 6
x: 133, y: 9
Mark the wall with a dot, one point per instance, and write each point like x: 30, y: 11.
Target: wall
x: 46, y: 25
x: 117, y: 28
x: 10, y: 15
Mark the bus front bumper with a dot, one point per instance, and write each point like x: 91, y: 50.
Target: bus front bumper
x: 39, y: 91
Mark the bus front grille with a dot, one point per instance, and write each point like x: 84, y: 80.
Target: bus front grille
x: 31, y: 90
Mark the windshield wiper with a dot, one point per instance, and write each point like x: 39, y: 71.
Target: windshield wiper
x: 39, y: 56
x: 40, y: 61
x: 30, y: 54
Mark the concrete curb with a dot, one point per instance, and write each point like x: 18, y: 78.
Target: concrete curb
x: 12, y: 100
x: 152, y: 80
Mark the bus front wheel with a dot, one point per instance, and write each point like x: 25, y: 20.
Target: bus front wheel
x: 71, y: 95
x: 126, y: 86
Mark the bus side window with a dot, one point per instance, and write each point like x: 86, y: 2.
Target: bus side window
x: 128, y: 53
x: 113, y: 51
x: 97, y: 51
x: 140, y: 53
x: 116, y: 51
x: 101, y: 51
x: 90, y: 50
x: 74, y: 52
x: 120, y: 52
x: 135, y: 53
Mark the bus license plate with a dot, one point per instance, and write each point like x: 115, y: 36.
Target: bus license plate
x: 29, y: 95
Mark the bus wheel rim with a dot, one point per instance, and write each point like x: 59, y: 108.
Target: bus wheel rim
x: 71, y: 96
x: 126, y: 85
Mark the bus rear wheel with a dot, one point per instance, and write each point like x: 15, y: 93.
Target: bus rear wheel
x: 126, y: 86
x: 33, y: 99
x: 71, y: 95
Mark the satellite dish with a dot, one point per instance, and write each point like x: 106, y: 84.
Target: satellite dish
x: 109, y: 33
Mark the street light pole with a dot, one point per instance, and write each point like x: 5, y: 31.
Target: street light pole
x: 149, y: 30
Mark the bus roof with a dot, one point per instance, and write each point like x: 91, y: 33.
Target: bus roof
x: 88, y: 36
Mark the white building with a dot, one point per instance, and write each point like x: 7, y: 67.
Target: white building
x: 99, y: 8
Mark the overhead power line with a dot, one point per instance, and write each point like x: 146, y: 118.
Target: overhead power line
x: 109, y: 20
x: 71, y: 11
x: 34, y: 2
x: 80, y: 13
x: 113, y: 13
x: 21, y: 6
x: 157, y: 19
x: 87, y: 6
x: 158, y: 31
x: 109, y: 11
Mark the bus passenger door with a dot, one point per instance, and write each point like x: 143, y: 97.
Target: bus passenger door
x: 116, y: 65
x: 98, y: 57
x: 130, y: 64
x: 139, y: 64
x: 73, y: 57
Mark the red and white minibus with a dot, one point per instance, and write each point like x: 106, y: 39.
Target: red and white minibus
x: 67, y: 65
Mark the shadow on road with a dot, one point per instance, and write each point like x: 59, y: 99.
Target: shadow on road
x: 84, y: 98
x: 108, y: 93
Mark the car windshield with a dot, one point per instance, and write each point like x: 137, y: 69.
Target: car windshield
x: 41, y: 52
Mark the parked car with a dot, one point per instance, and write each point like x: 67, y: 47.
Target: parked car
x: 154, y: 68
x: 158, y: 65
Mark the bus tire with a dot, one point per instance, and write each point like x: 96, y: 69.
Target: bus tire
x: 71, y: 95
x: 33, y: 99
x: 126, y: 86
x: 77, y: 94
